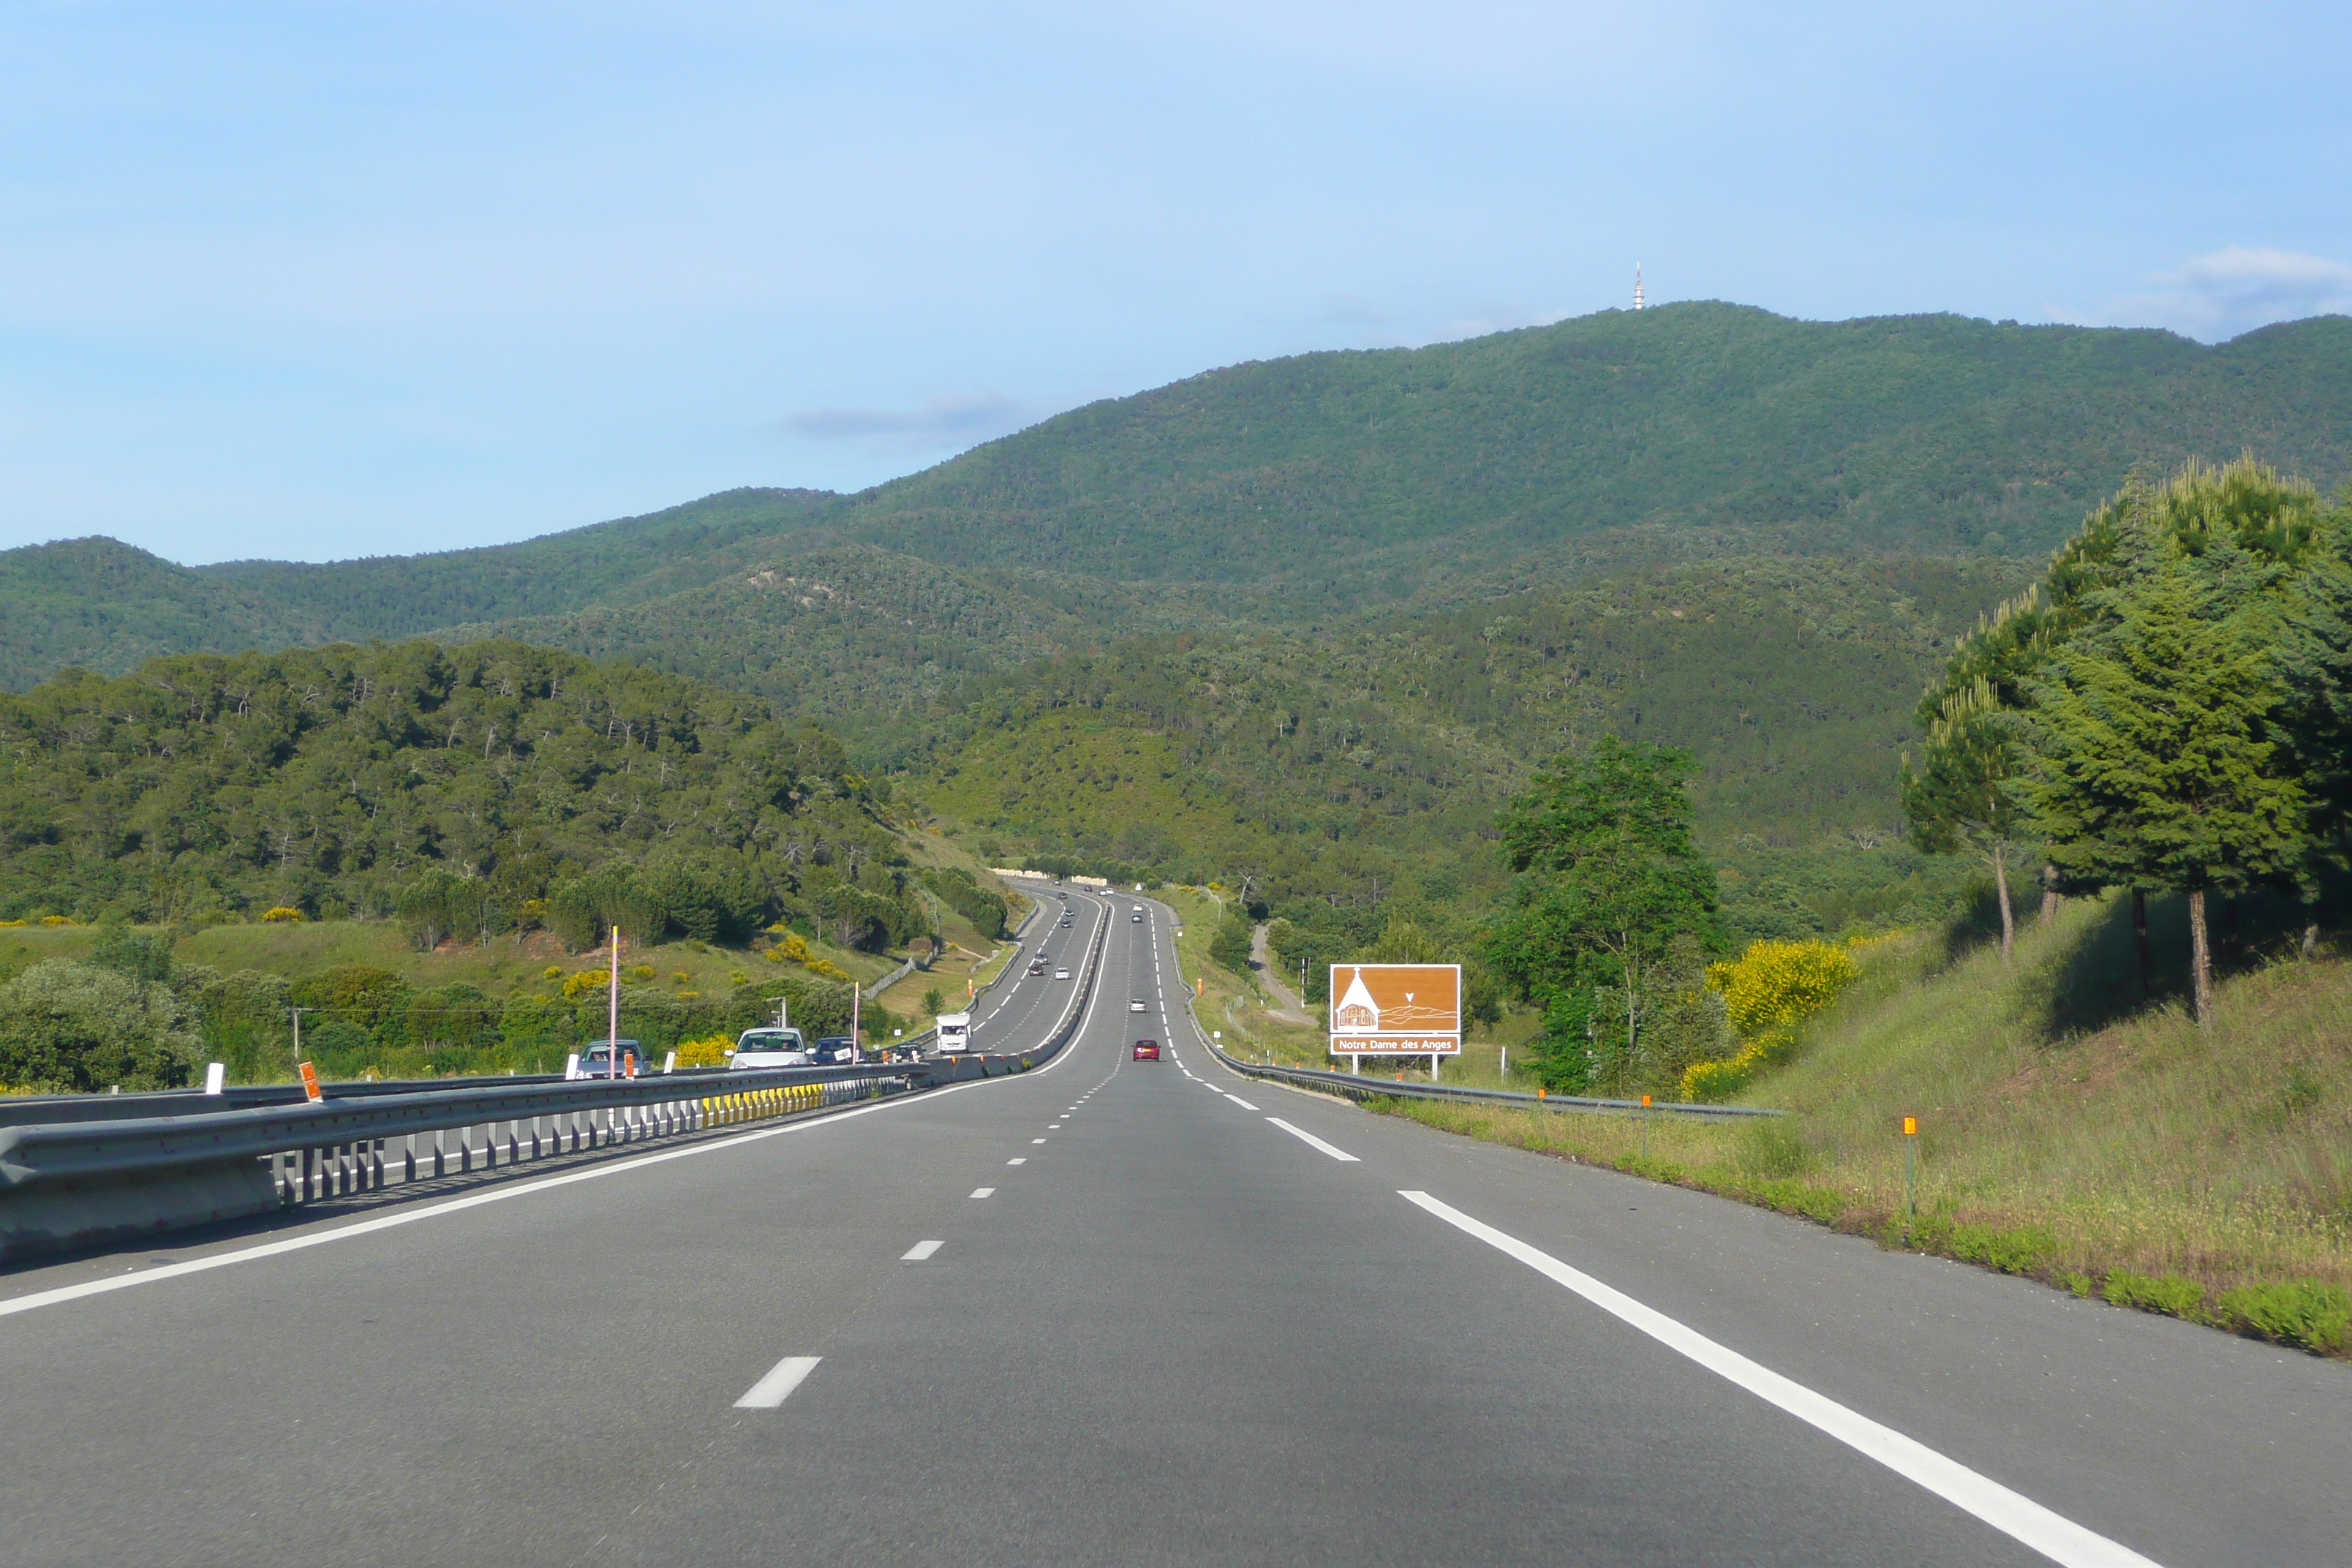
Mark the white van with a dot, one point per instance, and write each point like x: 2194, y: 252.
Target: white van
x: 955, y: 1033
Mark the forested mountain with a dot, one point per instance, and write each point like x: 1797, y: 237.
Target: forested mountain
x: 1306, y: 623
x: 1307, y: 486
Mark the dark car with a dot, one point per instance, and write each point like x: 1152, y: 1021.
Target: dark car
x: 1039, y: 967
x: 832, y: 1050
x: 1146, y: 1050
x: 596, y: 1059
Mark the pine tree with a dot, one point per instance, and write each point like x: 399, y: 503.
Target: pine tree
x: 1961, y: 796
x: 2159, y: 758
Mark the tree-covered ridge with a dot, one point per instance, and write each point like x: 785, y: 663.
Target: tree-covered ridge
x: 337, y: 779
x: 1926, y: 434
x: 865, y: 639
x: 623, y: 561
x: 1332, y: 483
x: 104, y: 606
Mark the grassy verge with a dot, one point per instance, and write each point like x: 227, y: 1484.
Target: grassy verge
x: 2206, y: 1173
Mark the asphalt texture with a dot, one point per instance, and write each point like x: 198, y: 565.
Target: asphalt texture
x: 1171, y: 1330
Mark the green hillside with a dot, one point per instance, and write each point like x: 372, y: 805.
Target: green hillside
x: 341, y: 780
x: 1692, y: 428
x: 1305, y: 486
x: 104, y: 606
x: 618, y: 563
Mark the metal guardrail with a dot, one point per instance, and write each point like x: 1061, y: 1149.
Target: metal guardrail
x: 49, y: 1109
x: 96, y: 1169
x: 1357, y: 1086
x: 69, y: 1184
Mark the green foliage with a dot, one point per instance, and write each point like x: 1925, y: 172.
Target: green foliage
x: 1231, y: 943
x: 2158, y: 759
x: 66, y: 1027
x: 453, y: 786
x: 986, y: 908
x: 2170, y: 1294
x: 2304, y: 1313
x: 142, y: 955
x: 2168, y: 707
x: 1605, y: 879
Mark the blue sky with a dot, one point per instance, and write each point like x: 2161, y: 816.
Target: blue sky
x: 333, y: 280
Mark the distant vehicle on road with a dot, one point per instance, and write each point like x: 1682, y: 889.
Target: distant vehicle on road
x: 1061, y: 975
x: 769, y: 1048
x: 596, y: 1059
x: 1064, y: 897
x: 1135, y: 1003
x: 1138, y: 916
x: 832, y: 1050
x: 955, y: 1033
x: 1146, y: 1050
x: 1039, y: 967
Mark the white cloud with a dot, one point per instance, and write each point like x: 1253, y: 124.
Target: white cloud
x: 2234, y: 290
x: 940, y: 424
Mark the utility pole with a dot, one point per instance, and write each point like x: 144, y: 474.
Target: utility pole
x: 298, y: 1013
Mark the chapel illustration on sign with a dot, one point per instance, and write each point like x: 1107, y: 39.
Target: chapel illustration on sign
x: 1404, y: 1008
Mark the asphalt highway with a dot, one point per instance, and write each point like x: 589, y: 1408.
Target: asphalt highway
x: 1126, y: 1312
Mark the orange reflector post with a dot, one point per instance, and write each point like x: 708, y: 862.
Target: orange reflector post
x: 1910, y: 1126
x: 310, y: 1084
x: 1645, y: 1102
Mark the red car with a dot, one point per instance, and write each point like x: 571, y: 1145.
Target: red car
x: 1146, y: 1050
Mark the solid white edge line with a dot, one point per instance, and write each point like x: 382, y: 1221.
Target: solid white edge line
x: 1301, y: 1133
x: 777, y: 1386
x: 2053, y: 1535
x: 920, y: 1251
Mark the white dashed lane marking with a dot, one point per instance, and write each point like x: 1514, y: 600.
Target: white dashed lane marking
x: 920, y: 1251
x: 783, y: 1378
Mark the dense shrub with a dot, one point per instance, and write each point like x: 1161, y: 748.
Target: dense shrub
x: 66, y: 1027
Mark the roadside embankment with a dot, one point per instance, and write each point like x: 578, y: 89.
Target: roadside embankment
x: 2206, y: 1173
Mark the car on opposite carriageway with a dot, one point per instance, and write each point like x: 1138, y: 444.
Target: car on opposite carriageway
x: 833, y: 1050
x: 769, y: 1048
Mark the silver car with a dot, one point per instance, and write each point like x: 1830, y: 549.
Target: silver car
x: 768, y: 1048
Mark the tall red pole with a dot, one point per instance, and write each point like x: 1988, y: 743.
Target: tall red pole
x: 612, y: 1034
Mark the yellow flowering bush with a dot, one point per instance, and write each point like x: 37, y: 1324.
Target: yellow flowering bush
x: 585, y: 980
x: 282, y: 914
x: 60, y: 920
x: 792, y: 948
x: 710, y: 1052
x: 1767, y: 991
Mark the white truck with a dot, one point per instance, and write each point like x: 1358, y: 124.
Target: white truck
x: 955, y: 1033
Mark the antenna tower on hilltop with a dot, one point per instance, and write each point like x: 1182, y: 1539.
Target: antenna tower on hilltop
x: 1639, y: 302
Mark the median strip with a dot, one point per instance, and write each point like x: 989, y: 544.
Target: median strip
x: 2054, y: 1536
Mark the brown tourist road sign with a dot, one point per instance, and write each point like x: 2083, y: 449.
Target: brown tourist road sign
x: 1396, y: 1009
